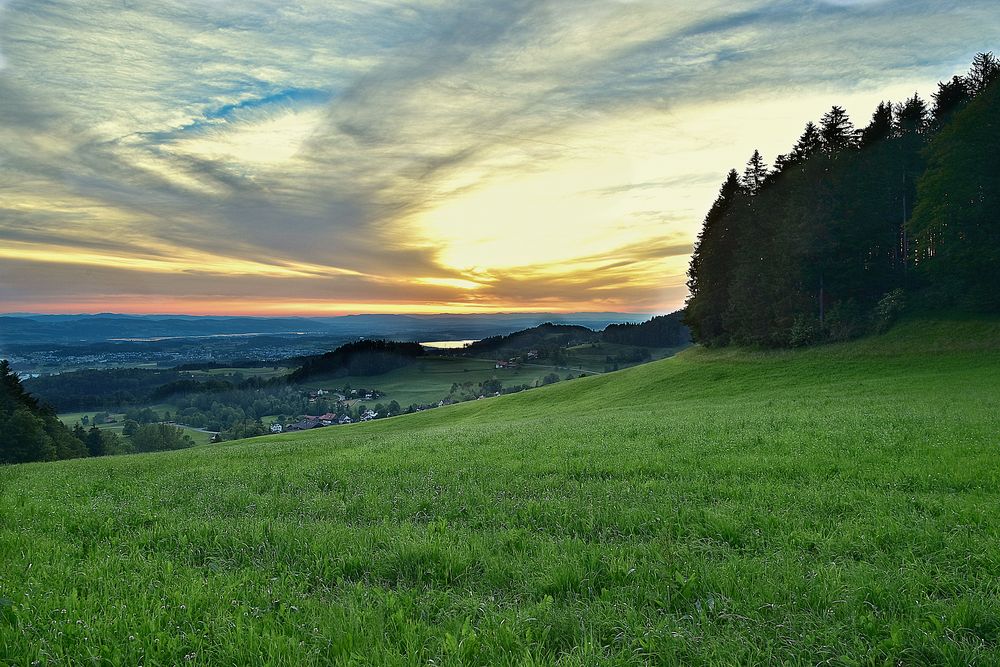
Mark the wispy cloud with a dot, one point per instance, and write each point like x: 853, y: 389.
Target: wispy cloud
x: 423, y: 153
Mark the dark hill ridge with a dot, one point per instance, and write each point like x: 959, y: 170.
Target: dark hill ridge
x: 546, y: 335
x: 661, y: 331
x: 361, y: 358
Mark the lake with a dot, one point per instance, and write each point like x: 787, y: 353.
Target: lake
x: 449, y: 344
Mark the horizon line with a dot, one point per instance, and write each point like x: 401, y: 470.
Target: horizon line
x: 325, y: 316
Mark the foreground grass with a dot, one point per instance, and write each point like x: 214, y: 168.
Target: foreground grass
x: 836, y: 506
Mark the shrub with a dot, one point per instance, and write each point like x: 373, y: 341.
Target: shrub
x: 888, y: 310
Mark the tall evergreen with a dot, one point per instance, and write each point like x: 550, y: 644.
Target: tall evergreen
x: 985, y: 70
x: 837, y: 130
x: 912, y: 116
x: 949, y: 98
x: 94, y: 442
x: 809, y: 144
x: 755, y: 173
x: 881, y: 126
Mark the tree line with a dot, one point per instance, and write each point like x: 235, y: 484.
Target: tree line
x: 661, y: 331
x: 30, y: 431
x: 851, y: 226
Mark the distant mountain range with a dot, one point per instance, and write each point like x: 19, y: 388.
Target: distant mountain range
x: 28, y: 328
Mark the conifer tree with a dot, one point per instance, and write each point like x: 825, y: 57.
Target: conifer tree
x: 810, y: 143
x: 809, y: 252
x: 837, y: 130
x: 912, y: 116
x: 880, y: 127
x: 985, y: 70
x: 949, y: 98
x: 755, y: 174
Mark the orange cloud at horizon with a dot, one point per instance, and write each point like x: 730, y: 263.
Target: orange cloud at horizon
x: 280, y: 308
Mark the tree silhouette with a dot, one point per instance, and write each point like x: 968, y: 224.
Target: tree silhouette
x: 837, y: 130
x: 755, y: 173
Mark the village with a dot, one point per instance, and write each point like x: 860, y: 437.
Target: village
x: 346, y: 399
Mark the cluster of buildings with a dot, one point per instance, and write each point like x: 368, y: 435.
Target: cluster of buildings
x: 354, y: 394
x: 310, y: 422
x: 329, y: 419
x: 515, y: 362
x: 345, y: 398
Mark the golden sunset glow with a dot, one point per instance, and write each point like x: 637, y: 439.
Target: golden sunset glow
x: 347, y: 158
x: 178, y: 260
x: 269, y: 142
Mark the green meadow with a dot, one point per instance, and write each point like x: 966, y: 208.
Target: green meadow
x: 429, y: 379
x: 70, y: 419
x: 265, y: 373
x: 593, y: 357
x: 838, y: 505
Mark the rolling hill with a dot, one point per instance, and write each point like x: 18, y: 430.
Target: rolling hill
x: 835, y: 505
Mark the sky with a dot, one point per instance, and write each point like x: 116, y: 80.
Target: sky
x: 334, y: 156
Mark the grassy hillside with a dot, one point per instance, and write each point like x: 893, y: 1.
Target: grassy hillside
x: 429, y: 379
x: 837, y: 505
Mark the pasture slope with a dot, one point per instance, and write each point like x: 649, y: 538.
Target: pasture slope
x: 839, y: 505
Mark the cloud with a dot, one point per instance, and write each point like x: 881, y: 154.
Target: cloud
x: 405, y: 150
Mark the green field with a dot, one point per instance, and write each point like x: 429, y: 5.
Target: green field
x: 593, y: 357
x: 265, y: 373
x: 429, y: 379
x: 72, y: 418
x: 839, y: 505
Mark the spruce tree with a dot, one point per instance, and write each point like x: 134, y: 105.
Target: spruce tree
x: 809, y: 253
x: 881, y: 126
x: 755, y: 174
x: 949, y: 98
x: 912, y: 116
x: 985, y: 70
x: 810, y: 143
x: 837, y: 130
